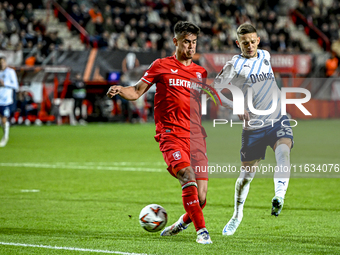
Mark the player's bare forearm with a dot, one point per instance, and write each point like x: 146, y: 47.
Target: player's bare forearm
x: 244, y: 116
x: 129, y: 93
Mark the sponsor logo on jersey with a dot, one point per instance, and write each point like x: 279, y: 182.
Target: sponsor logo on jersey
x: 261, y: 77
x: 179, y: 82
x: 146, y: 74
x: 199, y: 76
x: 177, y: 155
x: 174, y: 71
x: 184, y: 83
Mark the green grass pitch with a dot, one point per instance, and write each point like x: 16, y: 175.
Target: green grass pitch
x: 79, y: 190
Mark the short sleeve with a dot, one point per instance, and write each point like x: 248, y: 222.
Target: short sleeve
x: 225, y: 76
x: 152, y: 75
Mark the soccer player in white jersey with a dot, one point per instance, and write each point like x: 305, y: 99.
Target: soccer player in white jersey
x: 251, y: 72
x: 8, y: 86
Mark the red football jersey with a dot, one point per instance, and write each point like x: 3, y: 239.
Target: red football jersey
x: 177, y: 98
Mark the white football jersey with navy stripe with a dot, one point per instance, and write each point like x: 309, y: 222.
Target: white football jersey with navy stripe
x: 10, y: 83
x: 256, y: 76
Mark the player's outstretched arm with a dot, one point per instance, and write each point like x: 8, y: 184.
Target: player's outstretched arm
x: 129, y: 93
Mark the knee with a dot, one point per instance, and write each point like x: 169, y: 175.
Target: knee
x: 282, y: 150
x: 244, y: 180
x: 186, y: 174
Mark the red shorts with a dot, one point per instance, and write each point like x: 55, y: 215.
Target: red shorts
x: 179, y: 152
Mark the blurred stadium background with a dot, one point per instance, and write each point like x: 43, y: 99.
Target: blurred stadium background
x: 48, y: 42
x: 67, y: 189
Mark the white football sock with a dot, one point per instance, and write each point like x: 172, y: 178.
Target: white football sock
x: 242, y: 186
x: 6, y: 129
x: 282, y: 173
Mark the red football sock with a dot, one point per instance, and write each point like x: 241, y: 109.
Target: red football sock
x: 186, y: 217
x: 191, y: 204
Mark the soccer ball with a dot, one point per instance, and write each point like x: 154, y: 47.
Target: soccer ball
x: 153, y: 218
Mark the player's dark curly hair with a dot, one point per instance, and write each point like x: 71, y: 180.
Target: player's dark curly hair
x: 245, y: 29
x: 186, y: 27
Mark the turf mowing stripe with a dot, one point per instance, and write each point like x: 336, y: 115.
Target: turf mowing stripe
x: 68, y: 248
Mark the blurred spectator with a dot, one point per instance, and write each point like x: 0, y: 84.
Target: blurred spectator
x: 3, y: 40
x: 79, y: 94
x: 282, y: 43
x: 19, y: 10
x: 131, y: 37
x: 152, y: 16
x: 121, y: 42
x: 332, y: 65
x: 108, y: 25
x: 103, y: 41
x: 30, y: 61
x: 262, y: 33
x: 28, y: 13
x: 128, y: 15
x: 134, y: 47
x: 107, y: 13
x: 116, y: 12
x: 77, y: 15
x: 166, y: 50
x: 126, y: 111
x: 142, y: 40
x: 274, y: 43
x: 3, y: 15
x: 96, y: 19
x: 36, y: 50
x: 272, y: 18
x: 70, y: 4
x: 334, y: 31
x: 118, y: 24
x: 130, y: 62
x: 25, y: 38
x: 14, y: 39
x: 39, y: 26
x: 23, y: 23
x: 194, y: 15
x: 28, y: 108
x: 8, y: 8
x: 12, y: 24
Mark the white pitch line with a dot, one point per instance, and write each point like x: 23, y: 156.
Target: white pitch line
x: 66, y: 166
x: 30, y: 190
x: 68, y: 248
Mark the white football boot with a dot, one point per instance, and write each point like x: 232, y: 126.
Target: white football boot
x: 230, y: 228
x: 175, y: 228
x: 203, y: 236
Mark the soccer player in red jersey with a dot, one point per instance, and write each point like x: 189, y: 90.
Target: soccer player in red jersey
x: 179, y: 131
